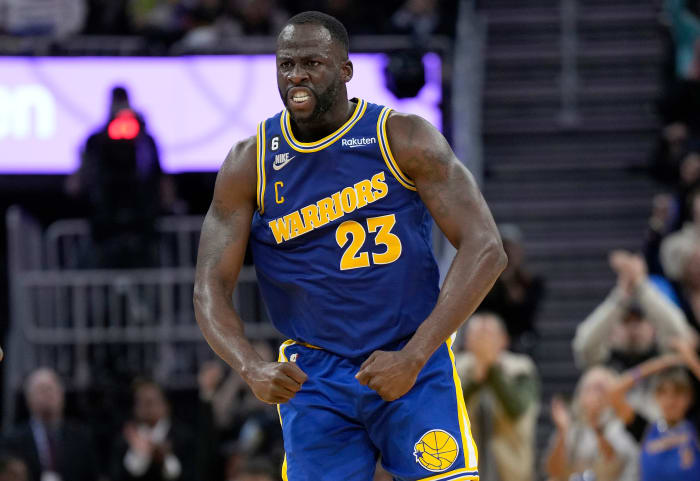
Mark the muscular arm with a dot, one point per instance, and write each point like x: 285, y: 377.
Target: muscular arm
x: 455, y: 202
x: 451, y: 195
x: 221, y: 250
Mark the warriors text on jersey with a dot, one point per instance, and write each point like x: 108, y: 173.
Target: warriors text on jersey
x: 341, y: 240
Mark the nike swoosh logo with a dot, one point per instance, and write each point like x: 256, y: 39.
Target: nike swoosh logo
x: 277, y: 166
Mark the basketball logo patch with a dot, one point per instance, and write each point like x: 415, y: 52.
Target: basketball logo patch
x: 436, y: 450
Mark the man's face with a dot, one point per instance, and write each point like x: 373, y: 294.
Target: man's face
x: 634, y: 335
x: 149, y: 405
x: 311, y: 71
x: 485, y: 335
x: 593, y: 393
x: 45, y: 395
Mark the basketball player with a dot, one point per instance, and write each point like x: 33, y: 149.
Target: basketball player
x: 336, y: 196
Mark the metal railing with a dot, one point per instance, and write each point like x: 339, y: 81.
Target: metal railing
x: 95, y: 324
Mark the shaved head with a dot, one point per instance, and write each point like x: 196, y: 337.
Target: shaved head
x: 336, y: 30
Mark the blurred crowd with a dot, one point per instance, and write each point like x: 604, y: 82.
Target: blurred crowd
x: 229, y: 435
x: 203, y: 23
x: 633, y: 415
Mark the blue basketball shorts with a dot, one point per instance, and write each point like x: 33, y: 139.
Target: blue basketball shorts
x: 335, y: 429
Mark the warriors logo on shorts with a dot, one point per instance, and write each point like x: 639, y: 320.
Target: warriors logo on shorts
x: 436, y: 450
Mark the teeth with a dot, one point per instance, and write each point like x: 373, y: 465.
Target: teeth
x: 300, y: 97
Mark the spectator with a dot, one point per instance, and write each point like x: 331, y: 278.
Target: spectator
x: 154, y: 446
x: 13, y: 469
x: 589, y: 442
x: 121, y: 176
x: 687, y: 189
x: 680, y: 258
x: 632, y: 324
x: 501, y: 392
x: 660, y: 224
x: 49, y: 446
x: 232, y: 417
x: 517, y: 294
x: 669, y: 446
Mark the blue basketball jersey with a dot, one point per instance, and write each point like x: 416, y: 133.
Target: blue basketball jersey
x: 670, y: 454
x: 341, y: 240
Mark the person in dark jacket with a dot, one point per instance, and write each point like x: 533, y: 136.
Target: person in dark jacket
x: 154, y: 447
x: 51, y: 447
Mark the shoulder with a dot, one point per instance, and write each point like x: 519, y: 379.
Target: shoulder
x: 403, y: 128
x: 418, y: 147
x: 239, y: 168
x: 236, y: 182
x: 242, y: 156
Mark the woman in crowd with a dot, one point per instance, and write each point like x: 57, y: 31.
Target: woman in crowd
x: 589, y: 442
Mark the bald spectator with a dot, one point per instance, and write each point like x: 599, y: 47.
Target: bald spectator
x: 154, y: 446
x: 51, y: 447
x: 502, y: 396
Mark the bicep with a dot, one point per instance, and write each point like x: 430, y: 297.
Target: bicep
x: 455, y: 202
x: 226, y: 227
x: 223, y: 242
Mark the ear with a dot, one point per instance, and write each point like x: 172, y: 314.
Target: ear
x: 346, y: 71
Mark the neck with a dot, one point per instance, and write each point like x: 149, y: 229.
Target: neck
x: 328, y: 123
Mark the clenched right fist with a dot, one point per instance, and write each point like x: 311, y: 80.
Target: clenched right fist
x: 275, y: 382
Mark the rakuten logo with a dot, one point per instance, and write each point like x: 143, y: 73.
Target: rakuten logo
x: 358, y: 142
x: 26, y: 112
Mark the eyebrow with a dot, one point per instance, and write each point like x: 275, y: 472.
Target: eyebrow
x: 284, y: 56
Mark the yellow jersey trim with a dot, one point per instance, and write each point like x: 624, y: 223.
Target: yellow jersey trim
x: 260, y: 163
x: 283, y: 358
x: 258, y: 175
x: 471, y: 457
x: 307, y: 147
x: 386, y: 151
x: 467, y: 476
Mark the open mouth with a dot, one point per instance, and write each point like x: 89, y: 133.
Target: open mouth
x: 299, y: 96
